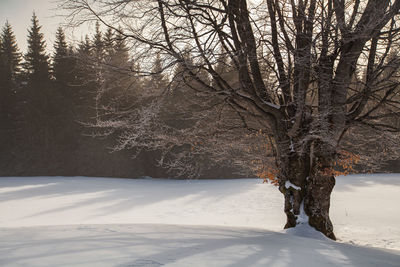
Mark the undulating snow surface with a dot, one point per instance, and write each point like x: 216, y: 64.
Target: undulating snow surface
x: 173, y: 245
x: 82, y: 200
x: 78, y: 221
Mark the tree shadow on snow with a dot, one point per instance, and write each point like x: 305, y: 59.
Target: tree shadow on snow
x: 111, y: 195
x: 158, y: 245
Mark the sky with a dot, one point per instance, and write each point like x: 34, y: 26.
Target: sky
x: 19, y: 14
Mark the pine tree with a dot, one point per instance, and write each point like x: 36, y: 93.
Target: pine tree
x: 118, y: 85
x: 36, y: 60
x: 108, y: 42
x: 68, y: 130
x: 225, y: 70
x: 64, y: 64
x: 84, y: 80
x: 61, y: 59
x: 98, y: 46
x: 37, y: 70
x: 9, y: 70
x: 183, y: 102
x: 121, y: 50
x: 41, y: 108
x: 85, y: 48
x: 1, y: 54
x: 84, y: 67
x: 157, y: 82
x: 10, y: 55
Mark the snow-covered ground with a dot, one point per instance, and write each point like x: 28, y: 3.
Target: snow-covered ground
x: 78, y: 221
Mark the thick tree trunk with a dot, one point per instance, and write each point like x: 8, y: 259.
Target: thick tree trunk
x: 294, y: 171
x: 317, y: 202
x: 307, y: 188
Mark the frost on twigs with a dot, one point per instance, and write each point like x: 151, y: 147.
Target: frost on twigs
x: 190, y: 135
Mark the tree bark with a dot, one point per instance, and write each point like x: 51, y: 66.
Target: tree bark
x: 317, y: 202
x: 307, y: 185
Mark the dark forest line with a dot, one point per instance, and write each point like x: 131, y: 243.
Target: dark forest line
x: 48, y: 103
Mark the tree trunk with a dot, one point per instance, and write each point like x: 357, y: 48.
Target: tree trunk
x: 307, y: 186
x: 317, y: 203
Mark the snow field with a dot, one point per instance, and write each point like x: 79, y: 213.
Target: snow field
x: 153, y: 245
x: 80, y: 221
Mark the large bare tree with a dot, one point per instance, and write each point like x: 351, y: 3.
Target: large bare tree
x: 308, y: 74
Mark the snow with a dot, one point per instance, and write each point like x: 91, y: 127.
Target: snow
x: 288, y: 184
x: 82, y: 200
x: 272, y: 105
x: 172, y: 245
x: 365, y: 210
x: 291, y: 146
x: 79, y: 221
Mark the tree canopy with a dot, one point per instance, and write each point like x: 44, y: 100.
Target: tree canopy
x: 309, y: 74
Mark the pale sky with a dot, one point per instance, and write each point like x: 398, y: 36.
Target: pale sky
x: 19, y: 14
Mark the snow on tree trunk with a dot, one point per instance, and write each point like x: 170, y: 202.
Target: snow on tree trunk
x: 305, y: 183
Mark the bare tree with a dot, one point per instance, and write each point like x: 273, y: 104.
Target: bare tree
x: 309, y: 73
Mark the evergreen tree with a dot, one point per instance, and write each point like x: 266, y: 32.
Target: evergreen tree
x: 84, y: 68
x: 68, y: 129
x: 36, y: 60
x: 42, y: 108
x: 98, y: 60
x: 9, y: 67
x: 1, y: 55
x: 225, y: 70
x: 61, y: 59
x: 98, y: 46
x: 183, y: 102
x: 119, y: 87
x: 85, y: 48
x: 108, y: 43
x: 63, y: 67
x: 2, y: 65
x: 9, y: 70
x: 157, y: 82
x: 84, y: 80
x: 37, y: 70
x: 121, y: 50
x: 10, y: 55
